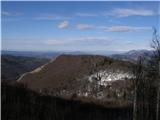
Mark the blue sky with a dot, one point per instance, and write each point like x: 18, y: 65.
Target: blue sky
x: 78, y: 26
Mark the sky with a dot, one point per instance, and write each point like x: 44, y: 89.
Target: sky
x: 78, y: 26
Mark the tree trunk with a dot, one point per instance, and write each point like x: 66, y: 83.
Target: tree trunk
x: 157, y: 111
x: 135, y: 104
x: 158, y: 92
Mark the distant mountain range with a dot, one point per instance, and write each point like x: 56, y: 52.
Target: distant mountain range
x: 133, y: 55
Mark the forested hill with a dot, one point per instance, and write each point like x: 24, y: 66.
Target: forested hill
x: 12, y: 67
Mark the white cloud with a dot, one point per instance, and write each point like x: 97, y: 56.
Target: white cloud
x: 84, y: 26
x: 126, y: 29
x: 86, y: 14
x: 63, y: 25
x: 6, y: 13
x: 123, y: 12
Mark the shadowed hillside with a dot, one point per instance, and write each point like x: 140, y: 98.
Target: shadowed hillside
x: 14, y: 66
x: 19, y: 103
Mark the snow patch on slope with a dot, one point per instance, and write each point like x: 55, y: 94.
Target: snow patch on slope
x: 105, y: 77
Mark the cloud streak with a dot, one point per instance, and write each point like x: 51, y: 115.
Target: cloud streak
x: 126, y: 29
x: 56, y: 42
x: 9, y: 14
x: 80, y: 40
x: 126, y: 12
x: 51, y: 17
x: 86, y: 14
x: 98, y: 43
x: 120, y: 12
x: 84, y: 26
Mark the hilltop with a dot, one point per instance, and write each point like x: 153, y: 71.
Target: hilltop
x: 80, y: 75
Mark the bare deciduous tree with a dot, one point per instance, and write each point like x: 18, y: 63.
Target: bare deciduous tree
x: 147, y: 85
x: 156, y: 46
x: 137, y: 85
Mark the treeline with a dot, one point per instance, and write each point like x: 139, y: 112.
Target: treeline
x: 20, y: 103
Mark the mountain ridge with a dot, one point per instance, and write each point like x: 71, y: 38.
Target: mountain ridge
x: 75, y: 74
x: 133, y: 55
